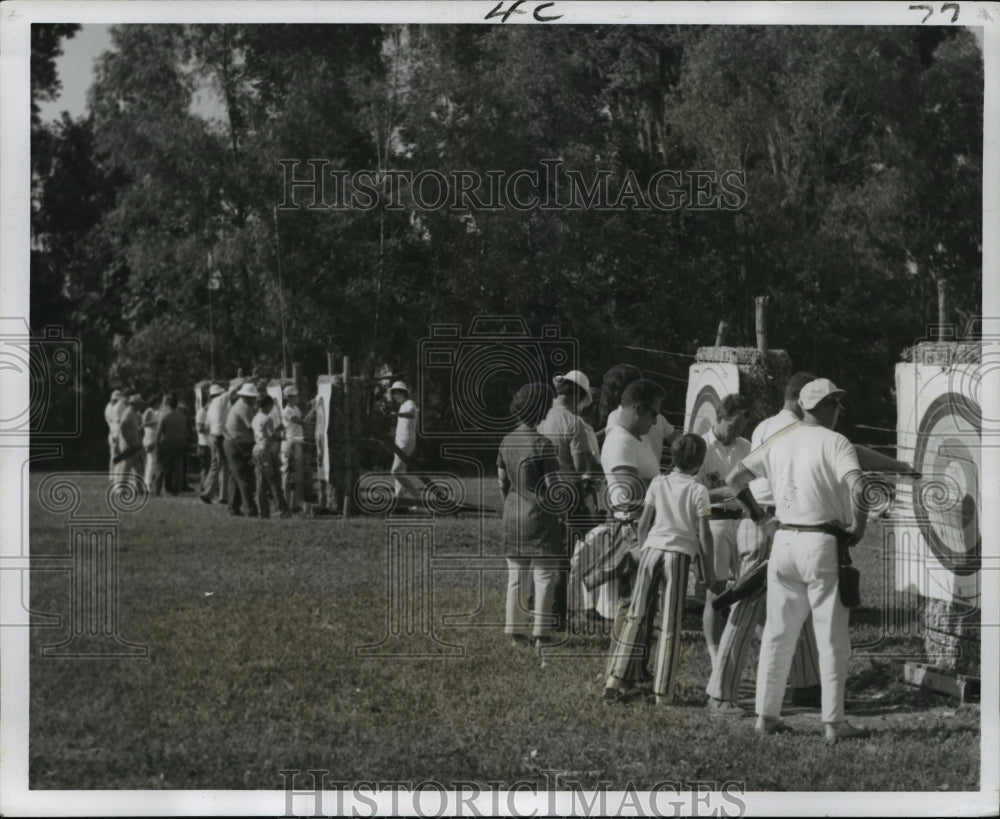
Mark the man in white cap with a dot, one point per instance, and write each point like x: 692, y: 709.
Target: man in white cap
x: 111, y: 412
x: 406, y: 436
x: 238, y: 441
x: 291, y: 448
x: 218, y: 471
x: 562, y: 424
x: 818, y: 488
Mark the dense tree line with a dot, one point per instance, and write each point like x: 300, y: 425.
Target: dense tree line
x: 860, y: 151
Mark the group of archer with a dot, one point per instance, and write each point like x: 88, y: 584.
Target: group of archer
x: 785, y: 504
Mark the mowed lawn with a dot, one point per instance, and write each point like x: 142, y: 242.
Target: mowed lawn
x: 253, y: 629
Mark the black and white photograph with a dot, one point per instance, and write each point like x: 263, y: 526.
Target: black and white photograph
x: 526, y: 408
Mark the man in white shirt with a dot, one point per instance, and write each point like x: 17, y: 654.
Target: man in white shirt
x: 754, y: 546
x: 215, y: 419
x: 111, y: 413
x: 291, y: 448
x: 725, y: 448
x: 406, y: 437
x: 817, y: 486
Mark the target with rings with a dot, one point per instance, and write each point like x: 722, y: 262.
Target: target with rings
x: 947, y: 499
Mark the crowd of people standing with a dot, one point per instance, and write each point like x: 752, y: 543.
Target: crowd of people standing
x: 788, y: 501
x: 249, y: 451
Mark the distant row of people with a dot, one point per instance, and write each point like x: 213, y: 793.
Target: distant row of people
x: 249, y: 452
x: 149, y: 439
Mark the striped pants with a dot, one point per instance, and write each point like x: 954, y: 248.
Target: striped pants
x: 724, y: 684
x: 655, y: 566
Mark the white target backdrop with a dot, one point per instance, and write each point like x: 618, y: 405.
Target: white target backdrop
x: 937, y: 521
x: 324, y: 391
x: 708, y: 383
x: 274, y: 390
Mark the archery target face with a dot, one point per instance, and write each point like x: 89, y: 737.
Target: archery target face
x: 274, y: 390
x: 324, y: 391
x: 707, y: 384
x: 947, y: 499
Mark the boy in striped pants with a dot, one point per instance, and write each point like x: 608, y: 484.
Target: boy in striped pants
x: 673, y: 529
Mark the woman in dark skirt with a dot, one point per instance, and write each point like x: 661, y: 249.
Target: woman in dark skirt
x: 532, y: 535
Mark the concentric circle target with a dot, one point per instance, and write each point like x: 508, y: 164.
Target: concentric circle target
x: 485, y: 378
x: 947, y: 498
x: 705, y: 411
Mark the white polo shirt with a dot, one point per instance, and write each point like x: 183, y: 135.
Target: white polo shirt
x: 760, y: 488
x: 622, y: 448
x: 720, y: 460
x: 678, y: 501
x: 807, y: 465
x: 658, y: 433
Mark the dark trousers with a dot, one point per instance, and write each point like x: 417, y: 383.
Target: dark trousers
x: 170, y: 467
x: 240, y: 457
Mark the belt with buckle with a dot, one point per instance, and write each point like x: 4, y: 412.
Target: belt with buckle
x: 727, y: 514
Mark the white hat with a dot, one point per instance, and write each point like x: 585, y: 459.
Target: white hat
x: 399, y: 385
x: 248, y: 390
x: 815, y: 391
x: 215, y: 389
x: 290, y: 391
x: 135, y: 398
x: 116, y: 394
x: 578, y: 378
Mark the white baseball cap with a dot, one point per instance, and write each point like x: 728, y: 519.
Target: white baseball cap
x: 815, y: 391
x: 290, y: 391
x: 248, y: 390
x: 399, y: 385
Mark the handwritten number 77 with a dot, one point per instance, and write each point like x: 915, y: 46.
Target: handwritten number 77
x: 930, y: 11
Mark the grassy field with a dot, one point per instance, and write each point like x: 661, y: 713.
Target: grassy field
x: 252, y: 629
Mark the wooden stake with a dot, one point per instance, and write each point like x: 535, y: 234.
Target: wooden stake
x: 720, y: 336
x: 329, y: 363
x: 348, y: 476
x: 943, y: 308
x: 761, y: 317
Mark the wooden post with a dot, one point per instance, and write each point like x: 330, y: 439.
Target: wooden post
x: 761, y: 303
x: 329, y: 363
x: 239, y: 372
x: 720, y: 336
x: 943, y: 308
x: 348, y: 444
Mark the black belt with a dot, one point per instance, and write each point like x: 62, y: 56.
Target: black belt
x: 825, y: 528
x: 769, y: 510
x: 727, y: 514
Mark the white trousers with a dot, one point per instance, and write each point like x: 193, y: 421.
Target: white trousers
x: 524, y: 575
x: 802, y: 576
